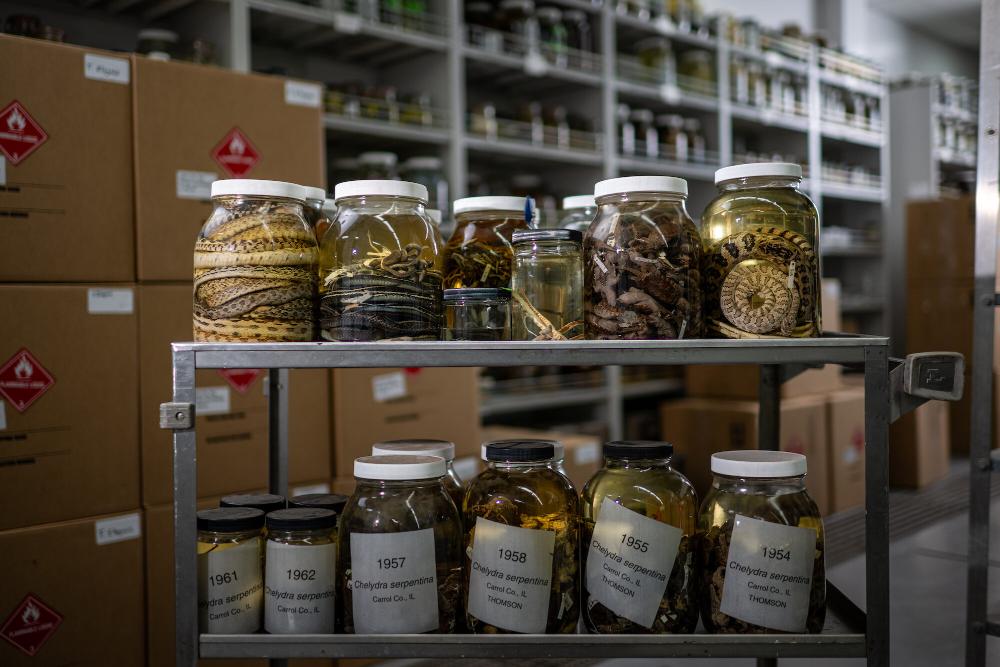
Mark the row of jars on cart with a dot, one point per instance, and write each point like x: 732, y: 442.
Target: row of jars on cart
x: 519, y: 550
x: 382, y: 269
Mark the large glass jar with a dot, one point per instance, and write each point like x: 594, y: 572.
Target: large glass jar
x: 300, y: 579
x: 230, y: 582
x: 255, y: 265
x: 761, y: 264
x: 522, y: 521
x: 578, y: 212
x: 642, y: 260
x: 380, y: 265
x: 762, y: 546
x: 400, y: 537
x: 547, y: 285
x: 476, y: 313
x: 425, y: 447
x: 639, y: 511
x: 479, y: 252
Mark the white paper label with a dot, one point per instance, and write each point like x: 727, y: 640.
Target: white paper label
x: 349, y: 24
x: 195, y: 184
x: 670, y: 93
x: 3, y: 415
x: 301, y: 94
x: 322, y: 487
x: 535, y: 64
x: 769, y: 574
x: 102, y: 301
x: 118, y: 529
x: 466, y: 467
x: 106, y: 68
x: 299, y: 588
x: 230, y: 590
x: 511, y: 577
x: 388, y: 386
x: 3, y: 170
x: 629, y: 562
x: 211, y: 400
x: 394, y: 582
x: 586, y: 453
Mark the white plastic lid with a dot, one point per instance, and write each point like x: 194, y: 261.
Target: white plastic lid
x: 380, y: 188
x: 378, y: 157
x: 579, y: 201
x: 399, y: 467
x: 314, y: 194
x: 434, y: 215
x: 158, y: 34
x: 428, y: 162
x: 785, y: 169
x: 759, y: 463
x: 442, y: 448
x: 488, y: 204
x: 617, y: 186
x: 252, y: 187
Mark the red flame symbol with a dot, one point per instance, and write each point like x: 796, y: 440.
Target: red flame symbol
x: 16, y: 121
x: 24, y: 369
x: 237, y: 145
x: 31, y: 614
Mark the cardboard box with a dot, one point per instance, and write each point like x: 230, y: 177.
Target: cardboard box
x: 700, y: 427
x: 65, y: 163
x: 741, y: 382
x: 374, y: 404
x: 69, y: 417
x: 584, y: 452
x: 918, y: 446
x: 231, y: 421
x: 940, y: 239
x: 72, y: 593
x: 194, y: 124
x: 846, y: 444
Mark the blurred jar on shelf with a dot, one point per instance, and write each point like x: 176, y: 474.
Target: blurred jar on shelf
x: 158, y: 44
x: 656, y: 54
x: 377, y: 165
x: 672, y: 137
x: 647, y: 138
x: 578, y: 212
x: 428, y: 170
x: 553, y: 35
x: 520, y: 25
x: 578, y: 33
x: 698, y: 68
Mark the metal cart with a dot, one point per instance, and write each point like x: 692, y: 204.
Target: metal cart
x: 892, y: 388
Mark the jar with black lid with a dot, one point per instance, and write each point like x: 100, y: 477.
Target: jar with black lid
x: 230, y: 585
x: 327, y: 501
x: 265, y: 502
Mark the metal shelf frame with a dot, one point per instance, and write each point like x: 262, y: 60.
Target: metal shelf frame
x: 848, y: 633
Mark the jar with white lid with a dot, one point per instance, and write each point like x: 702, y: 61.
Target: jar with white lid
x: 762, y: 546
x: 380, y: 265
x: 642, y: 257
x: 761, y: 263
x: 479, y: 252
x: 376, y: 165
x: 578, y: 212
x: 230, y: 562
x: 428, y: 447
x: 400, y: 553
x: 255, y: 265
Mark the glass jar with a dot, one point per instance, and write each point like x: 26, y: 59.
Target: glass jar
x: 377, y: 165
x: 626, y: 128
x: 328, y: 213
x: 255, y: 265
x: 520, y: 26
x: 655, y: 53
x: 315, y: 198
x: 637, y: 509
x: 645, y: 132
x: 380, y: 271
x: 552, y: 34
x: 425, y: 447
x: 428, y: 171
x: 759, y: 526
x: 578, y: 212
x: 579, y: 36
x: 479, y: 252
x: 400, y: 549
x: 300, y: 579
x: 699, y: 69
x: 547, y: 285
x: 325, y: 501
x: 695, y: 140
x: 521, y: 519
x: 158, y: 44
x: 477, y: 313
x: 672, y: 137
x: 739, y: 75
x: 230, y: 585
x: 642, y: 261
x: 265, y: 502
x: 761, y: 269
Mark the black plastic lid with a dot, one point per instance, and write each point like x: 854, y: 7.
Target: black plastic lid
x: 638, y: 449
x: 531, y: 235
x: 477, y: 294
x: 230, y: 519
x: 327, y: 501
x: 519, y: 451
x: 301, y: 518
x: 266, y: 502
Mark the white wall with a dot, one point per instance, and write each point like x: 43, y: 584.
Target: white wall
x: 903, y: 49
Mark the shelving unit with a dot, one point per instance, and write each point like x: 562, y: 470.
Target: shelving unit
x: 848, y: 631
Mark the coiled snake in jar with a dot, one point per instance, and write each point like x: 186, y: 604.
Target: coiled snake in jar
x: 766, y: 283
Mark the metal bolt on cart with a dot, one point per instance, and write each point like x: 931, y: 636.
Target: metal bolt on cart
x: 892, y: 388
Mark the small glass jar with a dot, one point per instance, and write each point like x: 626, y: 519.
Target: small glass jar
x: 315, y: 198
x: 265, y: 502
x: 158, y: 44
x: 521, y: 520
x: 761, y: 269
x: 641, y: 262
x: 377, y: 165
x: 477, y: 313
x: 230, y: 583
x: 255, y: 265
x: 425, y: 447
x: 638, y: 509
x: 762, y: 546
x: 381, y: 269
x: 400, y: 549
x: 695, y: 140
x: 300, y: 579
x: 479, y: 252
x: 325, y: 501
x: 578, y: 212
x: 645, y: 132
x: 672, y: 137
x: 547, y: 285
